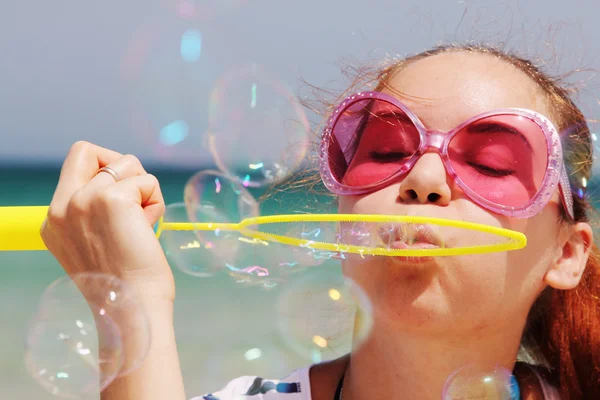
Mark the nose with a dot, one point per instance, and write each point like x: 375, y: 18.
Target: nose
x: 426, y: 182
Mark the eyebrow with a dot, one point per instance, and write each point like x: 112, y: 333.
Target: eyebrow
x: 487, y: 127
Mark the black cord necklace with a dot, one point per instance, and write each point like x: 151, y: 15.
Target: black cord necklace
x: 340, y: 388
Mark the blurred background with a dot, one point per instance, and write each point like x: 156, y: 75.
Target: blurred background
x: 172, y: 81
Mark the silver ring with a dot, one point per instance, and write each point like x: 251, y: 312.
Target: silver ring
x: 111, y: 172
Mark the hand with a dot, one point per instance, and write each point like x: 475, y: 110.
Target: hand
x: 96, y: 224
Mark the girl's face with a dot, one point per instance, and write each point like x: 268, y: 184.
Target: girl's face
x: 474, y: 292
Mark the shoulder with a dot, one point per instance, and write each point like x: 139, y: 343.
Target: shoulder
x: 295, y: 386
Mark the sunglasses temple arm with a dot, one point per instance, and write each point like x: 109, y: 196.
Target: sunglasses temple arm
x: 566, y: 193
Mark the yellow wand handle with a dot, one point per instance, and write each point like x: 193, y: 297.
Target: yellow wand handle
x: 20, y: 228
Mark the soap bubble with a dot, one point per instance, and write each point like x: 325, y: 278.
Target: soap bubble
x: 167, y: 82
x: 62, y: 352
x: 201, y: 257
x: 591, y: 187
x: 257, y: 265
x: 211, y: 196
x: 299, y: 257
x: 319, y: 313
x: 472, y: 382
x: 258, y: 131
x: 305, y: 255
x: 269, y: 264
x: 76, y: 345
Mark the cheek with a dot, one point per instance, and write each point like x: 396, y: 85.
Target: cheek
x: 542, y: 233
x: 526, y: 268
x: 367, y: 204
x: 346, y: 204
x: 383, y: 201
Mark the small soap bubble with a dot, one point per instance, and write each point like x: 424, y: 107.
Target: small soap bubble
x: 197, y: 256
x: 472, y: 382
x: 308, y: 254
x: 209, y: 197
x: 87, y: 331
x: 219, y: 197
x: 269, y: 264
x: 212, y: 196
x: 258, y: 131
x: 258, y: 265
x: 319, y: 313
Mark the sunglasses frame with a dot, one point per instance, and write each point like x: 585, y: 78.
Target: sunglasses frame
x: 554, y: 177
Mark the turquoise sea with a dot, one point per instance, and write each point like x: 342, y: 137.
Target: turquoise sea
x: 224, y: 330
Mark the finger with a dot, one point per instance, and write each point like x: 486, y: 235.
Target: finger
x: 81, y: 164
x: 143, y: 190
x: 125, y: 167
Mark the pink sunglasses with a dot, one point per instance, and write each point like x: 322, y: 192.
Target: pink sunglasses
x: 508, y: 161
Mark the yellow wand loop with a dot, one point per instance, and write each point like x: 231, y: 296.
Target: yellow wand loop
x: 20, y: 230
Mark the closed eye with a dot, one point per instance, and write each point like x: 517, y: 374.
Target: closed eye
x: 489, y: 171
x: 389, y: 156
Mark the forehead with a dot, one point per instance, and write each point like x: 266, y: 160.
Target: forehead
x: 446, y: 89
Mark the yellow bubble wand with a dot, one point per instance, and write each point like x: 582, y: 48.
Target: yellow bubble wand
x: 20, y: 231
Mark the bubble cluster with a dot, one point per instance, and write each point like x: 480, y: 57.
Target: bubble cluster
x: 246, y: 119
x: 87, y: 331
x: 213, y: 196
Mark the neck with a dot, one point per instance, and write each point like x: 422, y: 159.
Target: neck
x: 417, y: 366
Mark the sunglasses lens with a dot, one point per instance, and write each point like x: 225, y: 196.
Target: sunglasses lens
x: 371, y: 140
x: 501, y: 158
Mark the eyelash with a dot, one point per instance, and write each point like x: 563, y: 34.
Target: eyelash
x: 389, y: 156
x: 491, y: 171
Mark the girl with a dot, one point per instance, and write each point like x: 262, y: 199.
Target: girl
x: 431, y: 316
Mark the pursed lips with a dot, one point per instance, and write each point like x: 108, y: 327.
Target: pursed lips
x: 409, y: 235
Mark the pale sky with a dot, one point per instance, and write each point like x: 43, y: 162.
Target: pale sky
x: 121, y: 73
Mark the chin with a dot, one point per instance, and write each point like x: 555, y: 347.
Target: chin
x: 409, y: 295
x: 425, y: 313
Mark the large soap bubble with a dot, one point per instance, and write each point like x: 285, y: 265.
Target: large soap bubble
x: 165, y: 75
x: 87, y: 331
x: 258, y: 131
x: 322, y: 316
